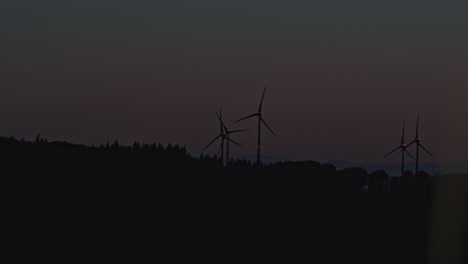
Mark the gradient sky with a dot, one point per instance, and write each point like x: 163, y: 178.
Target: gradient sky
x: 342, y: 75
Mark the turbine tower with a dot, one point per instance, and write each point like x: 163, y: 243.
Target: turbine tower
x: 417, y: 140
x: 403, y: 147
x: 260, y: 121
x: 227, y: 133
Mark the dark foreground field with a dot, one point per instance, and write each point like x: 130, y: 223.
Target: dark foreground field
x: 284, y: 211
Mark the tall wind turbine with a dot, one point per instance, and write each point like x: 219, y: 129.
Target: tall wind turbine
x: 227, y: 133
x: 403, y: 150
x: 260, y: 121
x: 221, y: 135
x: 417, y: 140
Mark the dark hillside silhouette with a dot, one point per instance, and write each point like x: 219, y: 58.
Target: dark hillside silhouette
x: 361, y: 214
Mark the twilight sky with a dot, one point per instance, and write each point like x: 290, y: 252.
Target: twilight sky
x: 342, y: 75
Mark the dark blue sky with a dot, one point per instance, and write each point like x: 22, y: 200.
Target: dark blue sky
x: 342, y: 75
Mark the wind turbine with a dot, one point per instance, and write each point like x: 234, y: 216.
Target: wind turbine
x: 227, y: 132
x: 223, y: 134
x: 403, y: 147
x: 260, y: 120
x: 417, y: 140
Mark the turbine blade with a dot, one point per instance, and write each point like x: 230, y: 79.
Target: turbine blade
x: 220, y: 117
x: 222, y: 123
x: 230, y: 140
x: 392, y: 151
x: 425, y: 150
x: 235, y: 131
x: 403, y: 133
x: 261, y: 102
x: 246, y: 117
x: 211, y: 142
x: 261, y: 119
x: 407, y: 152
x: 417, y: 126
x: 411, y: 143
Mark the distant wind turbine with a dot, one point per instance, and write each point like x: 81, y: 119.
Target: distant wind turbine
x: 260, y: 120
x: 403, y: 150
x: 223, y: 135
x: 417, y: 140
x: 227, y: 133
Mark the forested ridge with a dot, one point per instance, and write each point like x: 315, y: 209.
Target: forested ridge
x: 51, y: 179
